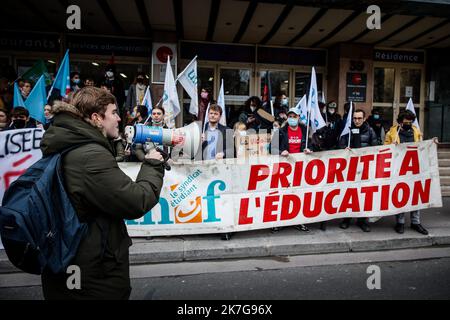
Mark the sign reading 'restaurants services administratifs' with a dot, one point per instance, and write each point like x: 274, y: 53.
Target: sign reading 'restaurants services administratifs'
x: 228, y: 196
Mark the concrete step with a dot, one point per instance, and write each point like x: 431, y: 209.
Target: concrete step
x: 444, y: 171
x: 445, y: 190
x: 443, y: 154
x: 445, y: 181
x: 444, y: 162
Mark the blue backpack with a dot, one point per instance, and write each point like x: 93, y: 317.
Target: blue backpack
x: 38, y: 224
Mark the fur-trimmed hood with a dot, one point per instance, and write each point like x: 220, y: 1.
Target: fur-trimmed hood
x: 69, y: 129
x: 61, y: 106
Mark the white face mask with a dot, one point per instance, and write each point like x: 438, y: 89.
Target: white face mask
x: 252, y: 108
x: 331, y: 111
x: 242, y: 133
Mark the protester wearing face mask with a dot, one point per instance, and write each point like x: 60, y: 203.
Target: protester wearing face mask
x: 377, y: 123
x: 75, y: 81
x: 405, y: 132
x: 281, y: 107
x: 288, y: 140
x: 4, y: 120
x: 20, y: 119
x: 254, y: 117
x: 117, y: 89
x: 136, y: 93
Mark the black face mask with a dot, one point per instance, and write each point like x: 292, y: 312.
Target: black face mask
x: 139, y: 80
x: 406, y: 127
x: 19, y: 123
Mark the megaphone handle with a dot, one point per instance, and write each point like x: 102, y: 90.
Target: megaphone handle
x: 165, y: 156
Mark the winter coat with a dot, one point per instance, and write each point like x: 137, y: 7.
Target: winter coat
x: 392, y: 135
x: 365, y: 138
x: 131, y: 98
x: 103, y: 196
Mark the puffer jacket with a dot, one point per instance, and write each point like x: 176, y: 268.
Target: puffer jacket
x: 365, y: 138
x: 103, y: 196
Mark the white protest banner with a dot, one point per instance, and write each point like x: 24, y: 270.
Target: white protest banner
x: 218, y: 197
x: 268, y: 191
x: 19, y: 149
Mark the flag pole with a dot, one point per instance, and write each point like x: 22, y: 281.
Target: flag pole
x: 307, y: 127
x: 350, y: 129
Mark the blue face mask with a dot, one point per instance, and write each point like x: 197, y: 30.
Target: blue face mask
x: 76, y: 81
x: 292, y: 122
x: 284, y: 102
x: 376, y: 116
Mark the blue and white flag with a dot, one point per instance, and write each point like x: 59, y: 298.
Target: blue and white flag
x: 18, y: 100
x: 302, y: 106
x: 147, y: 101
x: 62, y: 79
x: 171, y: 104
x: 410, y: 107
x: 37, y: 100
x: 221, y: 103
x: 315, y: 116
x: 188, y: 79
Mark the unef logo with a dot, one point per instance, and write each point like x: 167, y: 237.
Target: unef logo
x: 190, y: 211
x: 192, y: 75
x: 185, y: 211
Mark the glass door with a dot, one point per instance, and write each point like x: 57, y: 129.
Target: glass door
x: 394, y: 85
x: 236, y: 83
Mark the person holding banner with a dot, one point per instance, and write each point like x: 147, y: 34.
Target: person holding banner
x: 361, y: 135
x: 290, y: 139
x: 405, y: 132
x: 101, y: 193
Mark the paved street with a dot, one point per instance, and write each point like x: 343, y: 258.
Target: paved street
x: 405, y: 274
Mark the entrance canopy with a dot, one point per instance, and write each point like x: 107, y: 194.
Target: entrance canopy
x: 296, y: 23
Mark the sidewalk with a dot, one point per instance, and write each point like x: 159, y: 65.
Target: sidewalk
x: 288, y: 241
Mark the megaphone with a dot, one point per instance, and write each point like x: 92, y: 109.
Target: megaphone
x: 186, y: 139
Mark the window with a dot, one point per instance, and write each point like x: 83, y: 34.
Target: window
x: 383, y: 90
x: 410, y: 85
x: 236, y: 84
x: 302, y: 82
x: 279, y: 82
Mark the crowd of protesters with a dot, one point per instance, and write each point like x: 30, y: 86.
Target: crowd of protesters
x: 283, y: 124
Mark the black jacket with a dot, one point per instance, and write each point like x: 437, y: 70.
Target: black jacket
x: 365, y: 138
